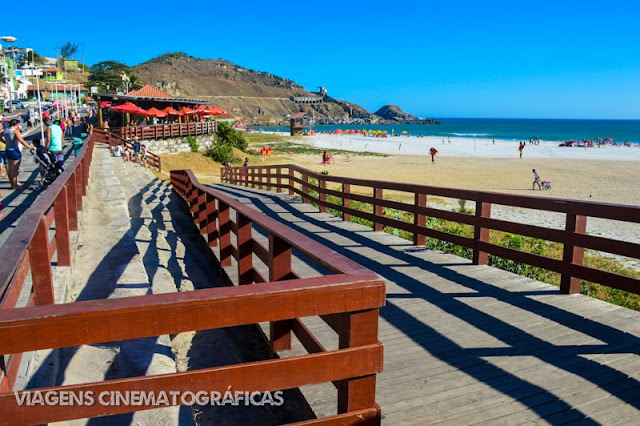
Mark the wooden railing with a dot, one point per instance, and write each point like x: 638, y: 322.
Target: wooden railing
x: 573, y: 237
x: 162, y: 131
x: 29, y: 251
x: 112, y: 139
x: 279, y: 297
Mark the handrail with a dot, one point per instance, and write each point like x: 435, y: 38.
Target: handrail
x: 574, y: 238
x: 111, y: 138
x: 162, y: 131
x: 28, y: 249
x: 282, y: 299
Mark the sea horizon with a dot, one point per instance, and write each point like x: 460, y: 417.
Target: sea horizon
x: 554, y: 129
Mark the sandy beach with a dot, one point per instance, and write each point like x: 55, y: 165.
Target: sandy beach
x: 607, y: 174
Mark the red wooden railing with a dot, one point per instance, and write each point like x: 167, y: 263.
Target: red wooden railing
x: 162, y: 131
x: 280, y: 297
x: 111, y: 138
x: 573, y: 237
x: 28, y: 249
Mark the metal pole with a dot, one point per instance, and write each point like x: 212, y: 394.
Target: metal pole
x: 39, y: 107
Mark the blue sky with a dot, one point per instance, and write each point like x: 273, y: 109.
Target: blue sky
x: 527, y: 59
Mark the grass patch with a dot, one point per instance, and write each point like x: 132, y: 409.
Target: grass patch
x: 284, y: 148
x: 198, y: 163
x: 268, y: 138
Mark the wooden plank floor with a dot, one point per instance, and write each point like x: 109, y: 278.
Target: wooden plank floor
x: 468, y: 344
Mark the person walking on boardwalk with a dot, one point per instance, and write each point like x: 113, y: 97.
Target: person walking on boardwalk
x: 433, y: 153
x: 13, y: 139
x: 536, y: 180
x: 53, y: 141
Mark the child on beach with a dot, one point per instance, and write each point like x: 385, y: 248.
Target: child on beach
x: 536, y: 180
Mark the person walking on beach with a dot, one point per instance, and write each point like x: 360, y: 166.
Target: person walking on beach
x: 521, y: 147
x: 536, y: 180
x: 433, y: 153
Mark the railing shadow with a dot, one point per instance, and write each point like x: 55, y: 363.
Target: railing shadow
x: 570, y: 358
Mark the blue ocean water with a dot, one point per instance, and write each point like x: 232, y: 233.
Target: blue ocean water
x: 509, y: 129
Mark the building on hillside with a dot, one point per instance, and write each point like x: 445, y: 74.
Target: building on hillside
x: 52, y: 73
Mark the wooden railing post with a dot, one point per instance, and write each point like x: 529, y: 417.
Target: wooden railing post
x: 377, y: 209
x: 279, y: 269
x: 420, y: 219
x: 245, y: 249
x: 357, y: 329
x: 79, y: 189
x: 572, y: 255
x: 63, y: 242
x: 71, y: 202
x: 291, y: 181
x: 253, y: 177
x: 211, y: 216
x: 323, y: 196
x: 346, y: 201
x: 305, y: 187
x: 41, y: 273
x: 279, y: 179
x: 481, y: 234
x: 224, y: 224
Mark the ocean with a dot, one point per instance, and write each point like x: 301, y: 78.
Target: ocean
x: 507, y: 129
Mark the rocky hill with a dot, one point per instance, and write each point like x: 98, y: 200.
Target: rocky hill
x: 259, y: 97
x: 393, y: 113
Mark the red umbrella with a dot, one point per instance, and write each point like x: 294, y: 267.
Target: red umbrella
x: 608, y: 140
x: 214, y: 110
x: 156, y: 112
x: 130, y: 108
x: 338, y: 131
x: 171, y: 111
x: 598, y: 139
x: 186, y: 111
x: 105, y: 104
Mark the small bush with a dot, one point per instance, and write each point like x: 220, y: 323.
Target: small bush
x: 220, y: 152
x: 193, y: 143
x: 226, y: 134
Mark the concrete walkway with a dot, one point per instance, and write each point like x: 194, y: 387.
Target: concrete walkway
x: 468, y: 344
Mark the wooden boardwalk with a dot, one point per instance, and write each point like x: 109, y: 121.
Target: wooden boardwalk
x: 468, y: 344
